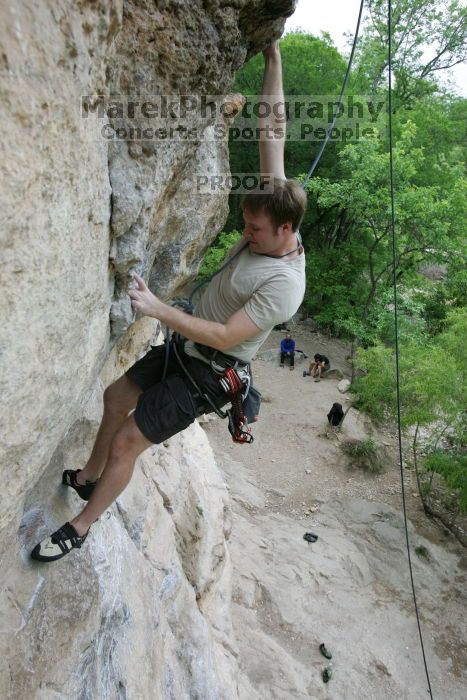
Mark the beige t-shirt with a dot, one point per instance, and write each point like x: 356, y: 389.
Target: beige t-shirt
x: 269, y: 289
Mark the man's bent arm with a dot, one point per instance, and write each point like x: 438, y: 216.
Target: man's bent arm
x: 273, y: 125
x: 220, y: 336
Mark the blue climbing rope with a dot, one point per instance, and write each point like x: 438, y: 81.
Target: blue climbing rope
x: 339, y: 104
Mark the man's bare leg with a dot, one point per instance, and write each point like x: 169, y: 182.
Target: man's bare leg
x: 120, y: 398
x: 125, y: 447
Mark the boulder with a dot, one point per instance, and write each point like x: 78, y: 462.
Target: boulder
x: 274, y: 355
x: 344, y: 385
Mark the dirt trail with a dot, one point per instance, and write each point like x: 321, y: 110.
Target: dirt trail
x: 350, y: 589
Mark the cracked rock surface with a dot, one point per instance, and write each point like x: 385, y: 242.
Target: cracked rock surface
x: 148, y: 611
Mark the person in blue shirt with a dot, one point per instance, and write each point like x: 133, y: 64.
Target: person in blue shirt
x: 288, y: 350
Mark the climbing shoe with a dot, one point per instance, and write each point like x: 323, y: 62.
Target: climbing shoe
x: 83, y: 490
x: 326, y: 675
x: 59, y: 543
x: 325, y: 652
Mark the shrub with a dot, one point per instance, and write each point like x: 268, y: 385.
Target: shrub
x: 216, y: 254
x: 365, y: 454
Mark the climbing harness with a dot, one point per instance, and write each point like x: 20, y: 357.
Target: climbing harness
x: 236, y: 383
x: 235, y: 380
x: 234, y: 375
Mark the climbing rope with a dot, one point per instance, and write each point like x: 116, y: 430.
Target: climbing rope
x: 394, y: 257
x: 339, y: 104
x: 396, y: 337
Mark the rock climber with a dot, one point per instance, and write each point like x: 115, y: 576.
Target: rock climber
x: 264, y: 284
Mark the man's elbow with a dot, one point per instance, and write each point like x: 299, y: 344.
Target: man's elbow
x: 220, y: 339
x: 222, y: 345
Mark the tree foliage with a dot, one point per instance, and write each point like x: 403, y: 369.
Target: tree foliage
x: 350, y: 240
x: 429, y: 36
x: 433, y: 385
x: 216, y: 254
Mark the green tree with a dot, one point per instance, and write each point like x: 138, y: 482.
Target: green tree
x: 416, y: 25
x: 441, y: 124
x: 350, y: 240
x: 217, y: 253
x: 432, y: 390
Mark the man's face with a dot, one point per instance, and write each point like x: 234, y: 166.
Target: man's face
x: 261, y: 233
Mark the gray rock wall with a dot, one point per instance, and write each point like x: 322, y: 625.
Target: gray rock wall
x: 147, y: 614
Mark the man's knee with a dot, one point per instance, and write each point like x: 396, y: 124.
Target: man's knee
x: 122, y: 396
x: 128, y: 441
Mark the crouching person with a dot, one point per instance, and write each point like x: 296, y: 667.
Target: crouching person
x: 335, y: 415
x: 319, y: 364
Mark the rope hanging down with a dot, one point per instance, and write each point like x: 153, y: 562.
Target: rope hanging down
x: 188, y: 306
x: 396, y: 336
x: 339, y: 104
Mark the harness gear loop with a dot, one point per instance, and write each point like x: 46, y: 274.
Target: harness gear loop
x: 203, y: 394
x: 238, y: 423
x: 233, y: 384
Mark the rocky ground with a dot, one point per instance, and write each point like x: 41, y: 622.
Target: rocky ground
x: 351, y: 588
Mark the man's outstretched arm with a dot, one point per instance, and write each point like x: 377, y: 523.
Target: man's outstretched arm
x: 220, y: 336
x: 273, y: 125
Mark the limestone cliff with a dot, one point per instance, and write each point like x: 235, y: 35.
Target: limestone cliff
x: 148, y: 614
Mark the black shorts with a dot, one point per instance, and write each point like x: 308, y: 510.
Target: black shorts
x: 169, y: 406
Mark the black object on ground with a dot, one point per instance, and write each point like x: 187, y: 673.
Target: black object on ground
x: 310, y: 537
x: 327, y: 675
x: 336, y: 414
x: 325, y: 652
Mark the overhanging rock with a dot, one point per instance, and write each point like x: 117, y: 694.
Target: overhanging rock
x: 143, y: 610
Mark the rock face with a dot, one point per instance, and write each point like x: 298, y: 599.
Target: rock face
x: 147, y: 615
x: 143, y: 610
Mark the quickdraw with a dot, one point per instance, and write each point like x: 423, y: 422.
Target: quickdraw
x: 233, y: 382
x: 233, y: 385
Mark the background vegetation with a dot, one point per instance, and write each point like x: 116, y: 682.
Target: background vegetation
x: 347, y: 232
